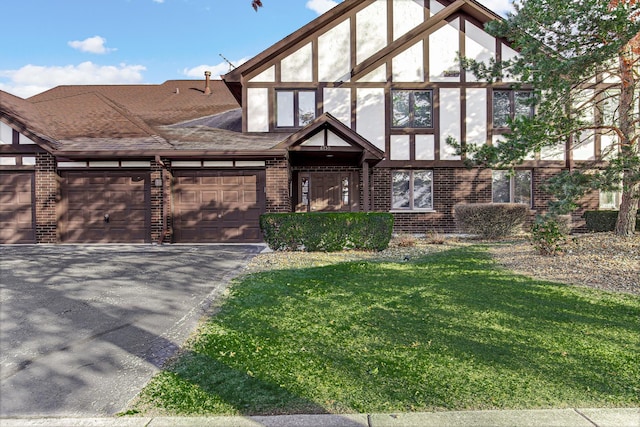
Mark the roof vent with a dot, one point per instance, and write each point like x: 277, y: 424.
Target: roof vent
x: 207, y: 84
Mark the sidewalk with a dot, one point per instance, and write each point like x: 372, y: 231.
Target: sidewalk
x: 624, y: 417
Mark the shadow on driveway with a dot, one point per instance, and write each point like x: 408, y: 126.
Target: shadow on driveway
x: 83, y: 328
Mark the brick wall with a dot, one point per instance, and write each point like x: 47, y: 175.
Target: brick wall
x: 461, y: 185
x: 450, y: 186
x: 277, y: 186
x: 46, y: 197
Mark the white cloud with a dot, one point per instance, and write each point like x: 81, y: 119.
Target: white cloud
x: 498, y: 6
x: 216, y: 70
x: 95, y: 44
x: 321, y: 6
x: 32, y: 79
x: 158, y: 1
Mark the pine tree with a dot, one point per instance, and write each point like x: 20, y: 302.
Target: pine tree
x: 581, y: 58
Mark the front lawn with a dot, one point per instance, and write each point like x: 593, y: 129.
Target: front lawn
x: 449, y: 331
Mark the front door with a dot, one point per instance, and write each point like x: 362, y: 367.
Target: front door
x: 327, y: 191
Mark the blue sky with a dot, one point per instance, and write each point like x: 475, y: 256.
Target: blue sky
x: 46, y: 43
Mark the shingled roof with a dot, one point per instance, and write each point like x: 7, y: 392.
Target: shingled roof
x: 174, y: 116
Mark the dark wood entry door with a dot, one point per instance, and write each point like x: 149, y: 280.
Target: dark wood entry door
x: 327, y: 191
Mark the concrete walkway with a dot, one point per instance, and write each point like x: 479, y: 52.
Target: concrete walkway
x: 627, y: 417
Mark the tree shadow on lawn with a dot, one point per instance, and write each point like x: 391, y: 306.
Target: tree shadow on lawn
x: 197, y: 384
x: 448, y: 331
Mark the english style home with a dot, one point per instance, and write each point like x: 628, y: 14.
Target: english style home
x: 349, y: 113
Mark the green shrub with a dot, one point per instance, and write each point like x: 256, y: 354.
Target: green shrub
x: 598, y: 221
x: 491, y: 220
x: 549, y: 235
x: 327, y: 231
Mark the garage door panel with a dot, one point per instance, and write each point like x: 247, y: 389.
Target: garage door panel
x: 209, y: 180
x: 17, y: 191
x: 224, y: 198
x: 230, y: 196
x: 87, y: 196
x: 209, y: 197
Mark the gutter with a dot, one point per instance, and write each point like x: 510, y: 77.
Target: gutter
x: 172, y: 154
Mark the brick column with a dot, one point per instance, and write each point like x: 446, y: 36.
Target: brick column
x: 160, y: 204
x: 277, y: 186
x: 46, y: 197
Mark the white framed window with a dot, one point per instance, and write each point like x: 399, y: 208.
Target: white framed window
x: 412, y: 108
x: 511, y: 186
x: 412, y: 190
x: 295, y: 108
x: 508, y: 104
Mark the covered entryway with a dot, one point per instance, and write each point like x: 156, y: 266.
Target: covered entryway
x: 105, y: 207
x: 330, y: 166
x: 16, y: 207
x: 212, y: 206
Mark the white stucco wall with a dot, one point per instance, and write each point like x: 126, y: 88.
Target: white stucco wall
x: 297, y: 67
x: 476, y: 120
x: 257, y: 110
x: 425, y: 147
x: 407, y: 14
x: 337, y: 102
x: 334, y: 58
x: 379, y: 75
x: 479, y: 46
x: 449, y: 122
x: 267, y: 76
x: 371, y: 30
x: 6, y: 133
x: 399, y: 147
x: 408, y: 66
x: 444, y: 45
x: 370, y: 115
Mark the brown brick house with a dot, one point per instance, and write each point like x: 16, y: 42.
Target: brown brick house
x: 349, y: 113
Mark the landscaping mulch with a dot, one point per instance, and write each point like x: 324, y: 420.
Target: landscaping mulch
x: 597, y: 260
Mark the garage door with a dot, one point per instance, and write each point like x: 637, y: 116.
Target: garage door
x: 16, y: 207
x: 105, y: 207
x: 218, y: 206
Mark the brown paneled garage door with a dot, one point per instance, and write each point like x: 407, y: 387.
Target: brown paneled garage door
x: 16, y: 207
x: 105, y: 207
x: 218, y: 206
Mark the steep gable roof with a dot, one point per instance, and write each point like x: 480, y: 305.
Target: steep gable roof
x: 234, y: 79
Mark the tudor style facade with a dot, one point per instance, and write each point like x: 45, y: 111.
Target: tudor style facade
x: 352, y: 112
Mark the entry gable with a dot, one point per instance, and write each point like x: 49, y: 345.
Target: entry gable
x: 327, y: 140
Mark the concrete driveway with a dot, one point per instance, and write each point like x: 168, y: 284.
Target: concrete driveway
x: 83, y: 328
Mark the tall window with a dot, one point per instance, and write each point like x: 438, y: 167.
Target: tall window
x: 510, y: 187
x: 295, y: 108
x: 412, y: 108
x: 412, y: 189
x: 508, y: 104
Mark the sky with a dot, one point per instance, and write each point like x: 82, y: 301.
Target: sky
x: 46, y: 43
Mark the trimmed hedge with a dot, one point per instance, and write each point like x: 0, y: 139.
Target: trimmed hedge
x: 598, y: 221
x: 491, y: 220
x: 327, y: 231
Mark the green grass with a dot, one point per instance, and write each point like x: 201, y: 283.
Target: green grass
x: 450, y: 331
